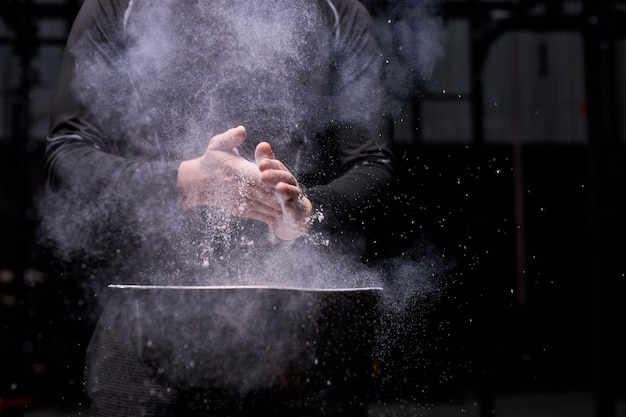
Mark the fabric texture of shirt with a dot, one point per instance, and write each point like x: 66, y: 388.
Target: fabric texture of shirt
x: 144, y: 85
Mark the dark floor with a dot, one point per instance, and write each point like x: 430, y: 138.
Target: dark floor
x: 528, y: 405
x: 570, y: 404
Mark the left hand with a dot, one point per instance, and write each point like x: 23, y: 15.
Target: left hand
x: 222, y: 178
x: 296, y: 207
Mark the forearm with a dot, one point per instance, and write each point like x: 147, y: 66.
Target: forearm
x: 351, y: 197
x: 121, y: 187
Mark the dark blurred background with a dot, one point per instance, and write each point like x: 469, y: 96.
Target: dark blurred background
x: 511, y: 162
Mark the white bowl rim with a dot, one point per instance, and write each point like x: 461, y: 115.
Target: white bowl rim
x: 239, y: 287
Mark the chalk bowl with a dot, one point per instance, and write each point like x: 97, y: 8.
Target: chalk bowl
x: 245, y: 338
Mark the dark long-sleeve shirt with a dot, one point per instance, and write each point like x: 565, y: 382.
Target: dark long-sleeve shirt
x: 144, y: 84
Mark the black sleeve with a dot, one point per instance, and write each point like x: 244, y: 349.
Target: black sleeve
x: 86, y: 164
x: 91, y: 186
x: 362, y: 129
x: 75, y: 143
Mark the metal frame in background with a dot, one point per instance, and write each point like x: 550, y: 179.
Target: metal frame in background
x: 21, y: 17
x: 601, y: 24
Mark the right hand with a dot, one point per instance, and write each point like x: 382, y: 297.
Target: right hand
x: 224, y: 179
x: 296, y: 207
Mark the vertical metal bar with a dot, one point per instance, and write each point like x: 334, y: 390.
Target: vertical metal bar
x: 478, y: 53
x: 606, y: 223
x: 25, y: 47
x: 518, y: 174
x: 479, y: 48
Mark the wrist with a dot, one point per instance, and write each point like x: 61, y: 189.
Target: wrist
x: 188, y: 183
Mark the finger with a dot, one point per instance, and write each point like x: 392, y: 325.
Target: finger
x: 260, y: 199
x: 272, y: 177
x: 252, y: 209
x: 228, y: 140
x: 267, y: 163
x: 261, y: 217
x: 288, y: 193
x: 263, y: 151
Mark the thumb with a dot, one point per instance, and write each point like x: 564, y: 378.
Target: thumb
x: 228, y: 140
x: 263, y: 151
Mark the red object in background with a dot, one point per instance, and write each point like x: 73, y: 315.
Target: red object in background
x: 14, y: 403
x: 582, y: 107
